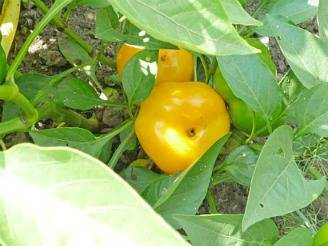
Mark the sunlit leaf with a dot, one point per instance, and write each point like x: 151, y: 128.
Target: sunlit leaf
x: 107, y: 30
x: 139, y: 76
x: 60, y: 196
x: 237, y: 14
x: 199, y: 25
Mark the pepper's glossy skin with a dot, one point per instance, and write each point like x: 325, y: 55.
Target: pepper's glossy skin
x: 178, y: 123
x: 173, y: 65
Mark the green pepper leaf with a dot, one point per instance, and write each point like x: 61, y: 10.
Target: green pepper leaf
x: 199, y: 25
x: 139, y: 76
x: 225, y: 230
x: 188, y: 190
x: 310, y: 111
x: 78, y: 138
x: 323, y: 19
x: 278, y: 186
x: 298, y: 236
x: 77, y: 94
x: 60, y: 196
x: 305, y: 52
x: 237, y: 14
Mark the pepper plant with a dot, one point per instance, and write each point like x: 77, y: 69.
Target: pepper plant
x: 201, y: 104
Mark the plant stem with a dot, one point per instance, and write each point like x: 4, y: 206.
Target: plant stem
x: 306, y: 222
x: 268, y: 125
x: 11, y: 126
x: 73, y: 35
x: 30, y: 113
x: 121, y: 148
x: 61, y: 114
x: 2, y: 145
x: 10, y: 92
x: 205, y: 67
x: 213, y: 67
x: 55, y: 9
x: 195, y: 68
x: 211, y: 202
x: 249, y: 139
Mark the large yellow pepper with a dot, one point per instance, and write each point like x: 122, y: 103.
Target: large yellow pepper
x: 178, y: 123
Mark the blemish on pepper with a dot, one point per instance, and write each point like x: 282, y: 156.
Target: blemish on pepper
x: 191, y: 132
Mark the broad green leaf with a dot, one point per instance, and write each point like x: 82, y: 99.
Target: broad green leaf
x: 323, y: 19
x: 240, y: 164
x: 310, y: 111
x: 29, y: 85
x: 265, y: 54
x: 296, y: 11
x: 78, y: 138
x: 187, y: 192
x: 237, y: 14
x: 106, y: 30
x: 77, y: 94
x: 225, y: 230
x: 139, y: 76
x: 277, y: 186
x: 198, y: 25
x: 305, y: 52
x: 158, y: 188
x: 60, y: 196
x: 253, y: 82
x: 298, y: 236
x: 139, y: 177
